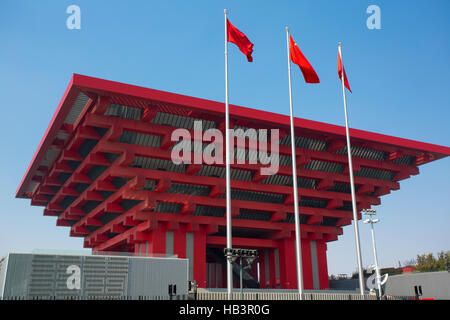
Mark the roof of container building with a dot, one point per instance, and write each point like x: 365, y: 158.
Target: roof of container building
x: 82, y: 90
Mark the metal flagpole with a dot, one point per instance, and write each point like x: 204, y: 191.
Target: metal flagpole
x: 298, y: 248
x: 227, y: 169
x: 352, y: 183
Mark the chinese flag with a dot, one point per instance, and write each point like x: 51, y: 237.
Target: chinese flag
x: 239, y: 39
x: 340, y: 69
x: 299, y: 59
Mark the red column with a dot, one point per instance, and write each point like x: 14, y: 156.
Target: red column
x: 179, y: 242
x: 157, y: 241
x: 220, y: 278
x: 322, y: 264
x: 212, y: 276
x: 200, y: 257
x: 307, y: 265
x: 288, y: 267
x: 138, y: 249
x: 224, y: 276
x: 272, y: 270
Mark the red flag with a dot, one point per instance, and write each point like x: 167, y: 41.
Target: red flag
x: 239, y: 39
x: 299, y: 59
x: 340, y: 69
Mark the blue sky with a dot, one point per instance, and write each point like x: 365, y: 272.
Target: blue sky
x: 399, y: 76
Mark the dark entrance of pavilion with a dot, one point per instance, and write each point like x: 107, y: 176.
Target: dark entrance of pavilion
x: 216, y: 271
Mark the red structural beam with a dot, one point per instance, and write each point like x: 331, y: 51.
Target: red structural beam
x: 161, y: 130
x: 95, y: 158
x: 242, y: 242
x: 68, y: 150
x: 218, y: 184
x: 79, y: 175
x: 113, y: 134
x: 89, y: 194
x: 196, y: 221
x: 311, y: 174
x: 156, y: 153
x: 110, y: 204
x: 128, y: 192
x: 140, y: 97
x: 221, y: 203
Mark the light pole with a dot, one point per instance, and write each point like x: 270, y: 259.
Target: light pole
x: 243, y: 254
x: 371, y: 213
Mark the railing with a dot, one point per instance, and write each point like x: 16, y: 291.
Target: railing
x: 177, y: 297
x: 389, y: 297
x: 224, y: 296
x: 284, y: 296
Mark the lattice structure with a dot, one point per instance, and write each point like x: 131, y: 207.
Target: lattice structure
x: 104, y: 169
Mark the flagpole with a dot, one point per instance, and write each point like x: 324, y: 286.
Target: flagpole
x: 352, y: 183
x: 298, y: 248
x: 227, y: 169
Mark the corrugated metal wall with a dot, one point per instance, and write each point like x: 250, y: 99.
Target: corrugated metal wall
x: 32, y: 276
x: 3, y: 265
x: 152, y: 279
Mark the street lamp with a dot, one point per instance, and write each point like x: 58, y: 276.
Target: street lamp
x: 243, y: 254
x: 371, y: 213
